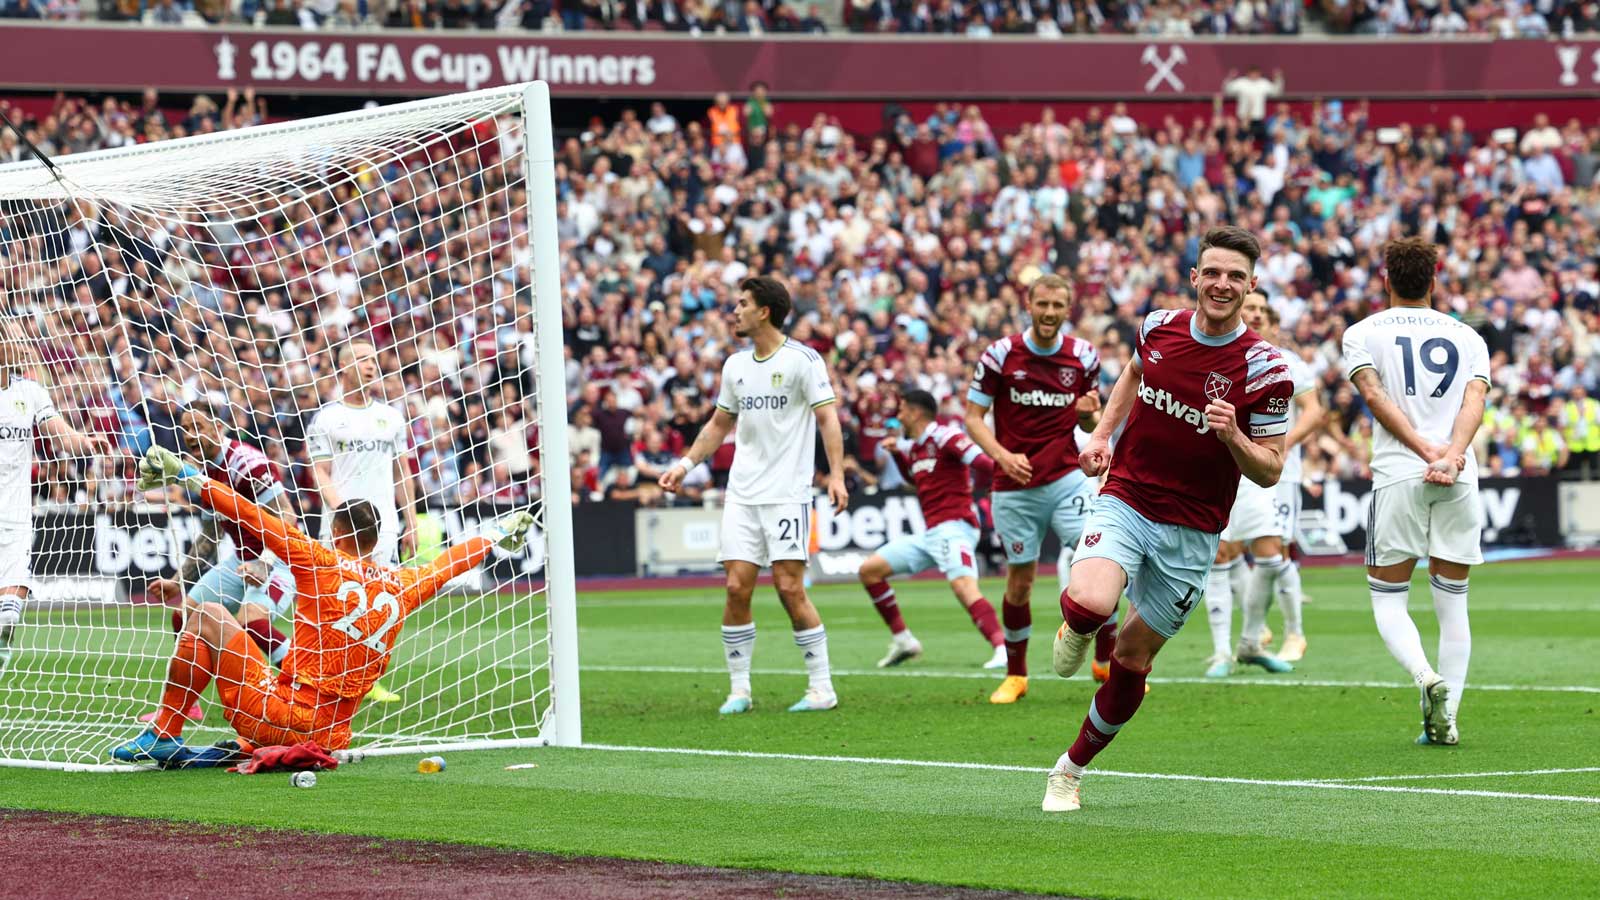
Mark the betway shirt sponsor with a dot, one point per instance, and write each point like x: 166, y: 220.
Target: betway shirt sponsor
x: 24, y: 406
x: 1168, y: 465
x: 1034, y: 393
x: 363, y: 442
x: 775, y: 441
x: 938, y: 464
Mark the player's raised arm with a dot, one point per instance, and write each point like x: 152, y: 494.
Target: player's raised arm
x: 510, y: 532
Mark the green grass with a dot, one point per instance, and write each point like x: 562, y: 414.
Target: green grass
x: 653, y: 678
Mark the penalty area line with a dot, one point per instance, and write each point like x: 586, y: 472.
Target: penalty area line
x: 1437, y: 775
x: 1033, y: 770
x: 996, y: 674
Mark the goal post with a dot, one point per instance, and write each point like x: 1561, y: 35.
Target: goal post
x: 229, y: 272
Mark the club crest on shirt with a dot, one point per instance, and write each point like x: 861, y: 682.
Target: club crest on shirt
x: 1016, y: 547
x: 1217, y: 386
x: 1019, y: 374
x: 1068, y: 376
x: 777, y: 379
x: 1091, y: 540
x: 22, y: 407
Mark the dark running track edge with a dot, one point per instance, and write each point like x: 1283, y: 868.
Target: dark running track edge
x: 54, y: 856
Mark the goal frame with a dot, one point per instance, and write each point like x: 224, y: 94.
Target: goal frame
x: 562, y: 722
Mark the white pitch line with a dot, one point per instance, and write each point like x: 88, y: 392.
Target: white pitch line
x: 991, y: 676
x: 1154, y: 776
x: 1427, y: 777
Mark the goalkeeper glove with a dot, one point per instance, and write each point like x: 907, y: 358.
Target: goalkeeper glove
x: 511, y: 532
x: 161, y: 467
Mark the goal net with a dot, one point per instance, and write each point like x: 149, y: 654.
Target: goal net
x: 238, y: 274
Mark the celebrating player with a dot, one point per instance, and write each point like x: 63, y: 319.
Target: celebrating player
x: 358, y: 448
x: 779, y: 394
x: 1205, y: 399
x: 26, y: 411
x: 1264, y: 518
x: 937, y: 463
x: 1424, y: 375
x: 1039, y: 384
x: 348, y: 615
x: 251, y: 583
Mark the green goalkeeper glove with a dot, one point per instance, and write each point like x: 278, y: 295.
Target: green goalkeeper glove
x: 511, y: 532
x: 161, y: 467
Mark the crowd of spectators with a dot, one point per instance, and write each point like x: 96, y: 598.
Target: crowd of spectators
x: 977, y: 18
x: 907, y: 252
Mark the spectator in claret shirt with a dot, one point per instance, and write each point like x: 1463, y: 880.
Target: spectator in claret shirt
x: 615, y: 445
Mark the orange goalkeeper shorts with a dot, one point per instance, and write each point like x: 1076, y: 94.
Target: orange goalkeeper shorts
x: 268, y: 709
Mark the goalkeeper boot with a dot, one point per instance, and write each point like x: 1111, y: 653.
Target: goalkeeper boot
x: 737, y: 702
x: 10, y: 618
x: 998, y: 659
x: 194, y: 714
x: 1012, y: 689
x: 1251, y: 654
x: 381, y: 694
x: 1436, y: 722
x: 1070, y: 650
x: 903, y: 647
x: 222, y: 753
x: 815, y: 700
x: 150, y: 747
x: 1061, y: 792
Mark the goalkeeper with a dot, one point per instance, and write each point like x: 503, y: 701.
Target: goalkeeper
x: 348, y: 615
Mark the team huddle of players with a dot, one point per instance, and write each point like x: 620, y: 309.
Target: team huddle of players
x: 345, y: 598
x: 1154, y: 494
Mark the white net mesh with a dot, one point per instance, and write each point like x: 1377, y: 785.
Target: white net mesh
x: 229, y: 273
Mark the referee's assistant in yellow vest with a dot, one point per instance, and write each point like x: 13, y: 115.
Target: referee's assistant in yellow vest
x: 1580, y: 427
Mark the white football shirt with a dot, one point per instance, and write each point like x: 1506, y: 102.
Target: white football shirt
x: 363, y: 442
x: 24, y: 405
x: 1300, y: 375
x: 1425, y: 359
x: 775, y: 440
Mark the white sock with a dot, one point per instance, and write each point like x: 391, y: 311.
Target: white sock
x: 813, y: 644
x: 1289, y: 597
x: 11, y: 603
x: 1455, y: 637
x: 1263, y: 581
x: 738, y: 647
x: 1239, y: 577
x: 1219, y: 609
x: 1064, y: 568
x: 1395, y: 626
x: 1066, y: 766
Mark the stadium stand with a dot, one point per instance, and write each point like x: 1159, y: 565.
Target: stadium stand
x: 908, y: 252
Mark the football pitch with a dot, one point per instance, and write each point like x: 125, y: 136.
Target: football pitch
x: 1301, y: 785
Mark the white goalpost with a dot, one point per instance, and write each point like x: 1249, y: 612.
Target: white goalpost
x: 226, y: 272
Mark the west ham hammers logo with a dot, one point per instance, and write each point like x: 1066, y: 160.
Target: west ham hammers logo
x: 1217, y: 387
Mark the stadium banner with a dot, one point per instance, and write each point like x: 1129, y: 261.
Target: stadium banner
x: 61, y: 56
x: 78, y: 555
x: 1517, y: 512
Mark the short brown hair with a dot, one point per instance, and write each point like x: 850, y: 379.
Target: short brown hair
x: 1232, y: 237
x: 770, y: 293
x: 358, y: 518
x: 1410, y: 264
x: 1050, y: 282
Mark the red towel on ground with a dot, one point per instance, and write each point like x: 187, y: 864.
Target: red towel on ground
x: 303, y: 757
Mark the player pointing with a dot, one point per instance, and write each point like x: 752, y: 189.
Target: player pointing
x: 358, y: 448
x: 1205, y: 400
x: 779, y: 395
x: 1424, y: 375
x: 1039, y: 384
x: 26, y: 412
x: 939, y: 462
x: 348, y: 615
